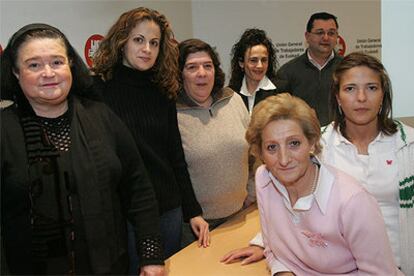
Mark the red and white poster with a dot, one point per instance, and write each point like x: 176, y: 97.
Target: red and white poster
x: 341, y: 46
x: 91, y: 46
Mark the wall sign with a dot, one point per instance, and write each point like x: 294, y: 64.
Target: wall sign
x: 91, y: 46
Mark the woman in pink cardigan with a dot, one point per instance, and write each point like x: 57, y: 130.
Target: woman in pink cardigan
x: 316, y: 220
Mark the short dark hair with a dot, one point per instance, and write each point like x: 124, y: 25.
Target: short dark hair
x: 250, y: 38
x: 191, y: 46
x: 10, y: 86
x: 385, y: 122
x: 321, y: 16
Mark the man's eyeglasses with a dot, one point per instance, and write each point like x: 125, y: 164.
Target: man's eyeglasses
x: 320, y: 33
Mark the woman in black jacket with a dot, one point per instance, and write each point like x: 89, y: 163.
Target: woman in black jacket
x: 71, y: 174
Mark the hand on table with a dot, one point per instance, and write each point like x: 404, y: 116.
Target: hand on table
x: 152, y: 270
x: 200, y: 228
x: 249, y: 255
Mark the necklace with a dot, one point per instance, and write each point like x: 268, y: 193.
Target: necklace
x: 315, y: 179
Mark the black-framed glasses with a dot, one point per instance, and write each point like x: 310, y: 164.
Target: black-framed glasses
x: 330, y: 33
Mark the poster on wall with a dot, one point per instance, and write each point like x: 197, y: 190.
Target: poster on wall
x: 91, y: 46
x: 291, y: 49
x: 288, y: 50
x: 285, y: 23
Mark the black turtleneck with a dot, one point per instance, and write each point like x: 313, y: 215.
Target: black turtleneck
x: 152, y: 120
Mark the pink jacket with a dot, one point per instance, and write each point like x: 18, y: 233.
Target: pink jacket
x: 342, y: 233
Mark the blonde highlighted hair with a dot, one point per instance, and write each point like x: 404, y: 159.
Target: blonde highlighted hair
x: 283, y: 107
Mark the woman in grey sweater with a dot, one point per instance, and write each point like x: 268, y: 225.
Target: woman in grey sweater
x: 212, y: 122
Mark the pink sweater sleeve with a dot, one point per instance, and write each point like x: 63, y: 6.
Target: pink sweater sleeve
x: 273, y: 263
x: 364, y: 230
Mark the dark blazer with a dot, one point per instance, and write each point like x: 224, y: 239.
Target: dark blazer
x: 111, y: 182
x: 260, y: 95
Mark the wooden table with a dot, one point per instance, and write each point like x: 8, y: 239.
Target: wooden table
x: 235, y: 233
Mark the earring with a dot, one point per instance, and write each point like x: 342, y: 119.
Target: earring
x: 379, y: 112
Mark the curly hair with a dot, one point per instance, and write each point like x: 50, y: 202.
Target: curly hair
x: 10, y: 87
x: 191, y: 46
x: 249, y: 39
x: 385, y: 122
x: 283, y: 106
x: 110, y: 49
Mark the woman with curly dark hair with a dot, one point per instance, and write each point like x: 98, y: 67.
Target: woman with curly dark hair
x: 253, y: 67
x: 138, y: 63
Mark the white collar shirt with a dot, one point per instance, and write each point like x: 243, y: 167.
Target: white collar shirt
x: 317, y: 65
x: 265, y: 84
x: 320, y: 195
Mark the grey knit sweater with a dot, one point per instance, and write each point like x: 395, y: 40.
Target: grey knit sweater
x: 216, y: 152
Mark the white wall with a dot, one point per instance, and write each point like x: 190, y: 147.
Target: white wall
x: 79, y: 19
x: 397, y: 52
x: 222, y: 22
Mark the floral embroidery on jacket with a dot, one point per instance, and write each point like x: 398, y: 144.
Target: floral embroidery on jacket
x: 315, y: 239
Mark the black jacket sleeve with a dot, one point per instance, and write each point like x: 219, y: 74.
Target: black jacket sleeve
x: 138, y: 195
x: 190, y: 205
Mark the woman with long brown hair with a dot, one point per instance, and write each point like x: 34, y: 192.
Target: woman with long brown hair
x: 138, y: 63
